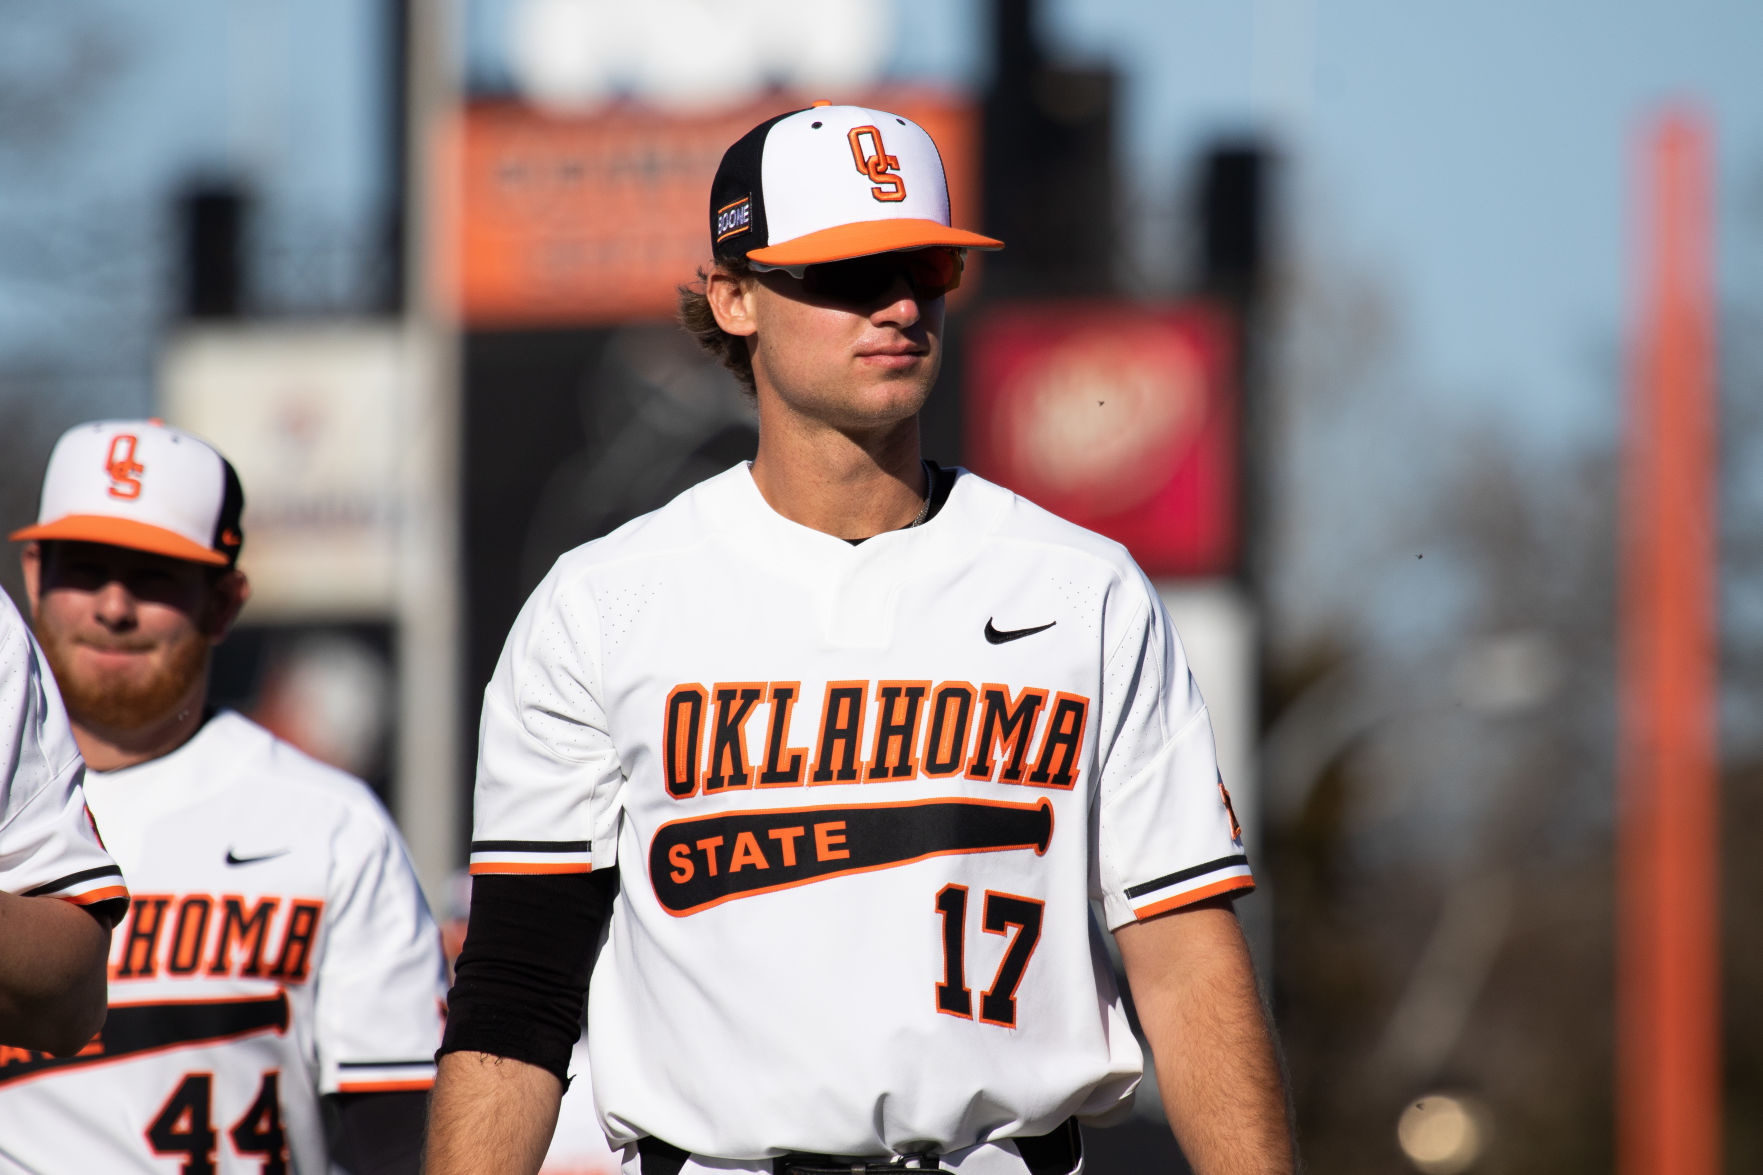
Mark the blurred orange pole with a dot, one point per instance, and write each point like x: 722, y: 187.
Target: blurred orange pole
x: 1668, y: 1005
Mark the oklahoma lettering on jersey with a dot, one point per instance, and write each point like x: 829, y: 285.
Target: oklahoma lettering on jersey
x: 878, y: 786
x: 213, y: 936
x: 278, y: 949
x: 909, y: 739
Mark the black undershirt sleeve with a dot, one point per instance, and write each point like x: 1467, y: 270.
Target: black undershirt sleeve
x: 376, y: 1133
x: 520, y: 979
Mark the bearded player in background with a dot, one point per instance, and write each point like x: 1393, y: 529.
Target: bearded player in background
x: 275, y: 992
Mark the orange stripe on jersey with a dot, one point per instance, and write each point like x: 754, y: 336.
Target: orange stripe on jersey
x: 411, y: 1085
x: 478, y: 867
x: 109, y: 893
x: 1195, y: 895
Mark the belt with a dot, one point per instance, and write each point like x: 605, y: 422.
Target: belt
x: 1055, y: 1153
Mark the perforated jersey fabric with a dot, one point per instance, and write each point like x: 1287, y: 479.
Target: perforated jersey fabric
x: 860, y: 799
x: 48, y: 845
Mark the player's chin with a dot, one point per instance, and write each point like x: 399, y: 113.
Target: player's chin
x: 889, y: 401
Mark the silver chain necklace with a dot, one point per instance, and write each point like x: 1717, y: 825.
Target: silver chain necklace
x: 930, y: 490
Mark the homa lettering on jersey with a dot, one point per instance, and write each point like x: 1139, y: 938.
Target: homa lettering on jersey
x: 738, y: 735
x: 199, y: 935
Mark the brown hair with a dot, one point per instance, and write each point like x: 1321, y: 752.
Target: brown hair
x: 699, y: 321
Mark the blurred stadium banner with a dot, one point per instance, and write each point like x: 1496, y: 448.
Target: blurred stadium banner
x: 550, y: 219
x: 311, y: 419
x: 1121, y: 417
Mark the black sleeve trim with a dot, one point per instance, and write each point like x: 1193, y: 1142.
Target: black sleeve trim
x: 529, y: 946
x: 109, y: 912
x: 529, y: 846
x: 72, y: 879
x: 1145, y: 887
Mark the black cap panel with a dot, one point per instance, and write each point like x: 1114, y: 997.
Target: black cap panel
x: 737, y: 194
x: 229, y: 534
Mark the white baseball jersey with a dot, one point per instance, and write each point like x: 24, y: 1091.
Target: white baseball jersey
x: 48, y: 845
x: 860, y: 798
x: 277, y: 949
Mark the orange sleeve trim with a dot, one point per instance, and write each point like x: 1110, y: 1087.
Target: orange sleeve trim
x: 1195, y: 895
x: 414, y: 1086
x: 109, y: 893
x: 530, y: 867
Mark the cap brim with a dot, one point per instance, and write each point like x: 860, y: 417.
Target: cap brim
x: 121, y: 532
x: 873, y: 236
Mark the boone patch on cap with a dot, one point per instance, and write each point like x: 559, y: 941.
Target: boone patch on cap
x: 143, y: 485
x: 832, y: 182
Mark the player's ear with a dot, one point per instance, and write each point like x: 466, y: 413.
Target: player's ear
x: 31, y: 560
x: 226, y: 596
x: 731, y: 300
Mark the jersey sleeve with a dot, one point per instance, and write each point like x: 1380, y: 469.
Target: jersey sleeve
x: 382, y: 979
x: 549, y: 779
x: 1166, y: 835
x: 49, y: 845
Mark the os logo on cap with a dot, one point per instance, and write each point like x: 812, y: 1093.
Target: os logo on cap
x: 877, y: 165
x: 94, y: 492
x: 124, y: 470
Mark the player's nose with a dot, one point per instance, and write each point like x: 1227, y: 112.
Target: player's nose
x: 114, y: 605
x: 899, y: 306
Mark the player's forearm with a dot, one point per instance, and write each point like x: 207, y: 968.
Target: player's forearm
x: 1217, y: 1066
x: 490, y: 1116
x: 52, y: 983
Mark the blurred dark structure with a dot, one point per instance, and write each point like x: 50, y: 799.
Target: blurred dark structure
x: 1049, y: 166
x: 213, y: 215
x: 1234, y: 206
x: 568, y: 434
x: 388, y: 296
x: 1234, y: 212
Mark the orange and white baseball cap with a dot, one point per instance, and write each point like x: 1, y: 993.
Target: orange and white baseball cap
x: 144, y: 485
x: 829, y: 183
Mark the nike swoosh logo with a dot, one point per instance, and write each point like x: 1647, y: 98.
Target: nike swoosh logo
x: 233, y: 860
x: 999, y: 636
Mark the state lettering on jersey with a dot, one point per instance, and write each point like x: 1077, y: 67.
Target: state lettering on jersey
x: 203, y: 935
x: 707, y: 860
x: 735, y: 736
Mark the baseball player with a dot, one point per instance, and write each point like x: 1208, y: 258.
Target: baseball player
x: 275, y: 989
x: 60, y: 893
x: 834, y: 751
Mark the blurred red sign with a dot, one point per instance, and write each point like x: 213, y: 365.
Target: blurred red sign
x: 1119, y: 417
x: 552, y: 219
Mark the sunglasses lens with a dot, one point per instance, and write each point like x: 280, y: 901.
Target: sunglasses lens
x: 931, y: 273
x: 935, y: 271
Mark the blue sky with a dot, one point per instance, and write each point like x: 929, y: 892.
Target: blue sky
x: 1477, y: 160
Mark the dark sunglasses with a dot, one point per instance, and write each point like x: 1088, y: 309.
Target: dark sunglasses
x: 863, y: 281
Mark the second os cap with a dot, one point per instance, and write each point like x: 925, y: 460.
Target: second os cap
x: 829, y: 183
x: 144, y: 485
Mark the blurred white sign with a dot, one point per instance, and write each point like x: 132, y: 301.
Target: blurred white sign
x: 1216, y: 623
x: 310, y: 418
x: 695, y: 54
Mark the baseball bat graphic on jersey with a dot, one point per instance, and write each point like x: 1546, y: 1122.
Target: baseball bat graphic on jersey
x: 707, y: 860
x: 133, y: 1029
